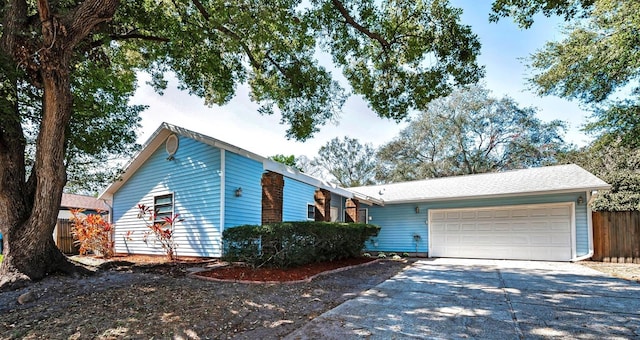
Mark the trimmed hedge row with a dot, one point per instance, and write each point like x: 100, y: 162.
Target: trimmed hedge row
x: 290, y: 244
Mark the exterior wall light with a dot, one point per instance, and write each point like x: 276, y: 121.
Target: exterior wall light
x: 417, y: 210
x: 580, y: 200
x: 239, y: 192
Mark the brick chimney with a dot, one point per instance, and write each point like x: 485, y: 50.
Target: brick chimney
x: 322, y: 198
x: 272, y: 197
x: 351, y: 210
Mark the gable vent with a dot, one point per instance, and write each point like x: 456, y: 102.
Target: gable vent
x: 171, y: 145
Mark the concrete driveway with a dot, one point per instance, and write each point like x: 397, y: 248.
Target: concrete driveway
x: 487, y: 299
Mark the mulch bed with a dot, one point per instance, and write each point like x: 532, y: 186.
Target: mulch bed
x: 244, y: 273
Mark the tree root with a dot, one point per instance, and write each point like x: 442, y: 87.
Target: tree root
x: 13, y: 279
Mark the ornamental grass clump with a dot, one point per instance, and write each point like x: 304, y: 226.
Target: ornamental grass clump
x: 92, y: 233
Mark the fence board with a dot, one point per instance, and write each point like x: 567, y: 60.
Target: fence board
x: 616, y: 236
x: 64, y: 238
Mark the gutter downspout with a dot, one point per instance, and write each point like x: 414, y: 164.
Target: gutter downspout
x: 110, y: 220
x: 590, y: 227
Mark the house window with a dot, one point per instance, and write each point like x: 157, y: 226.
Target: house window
x: 311, y: 212
x: 163, y: 207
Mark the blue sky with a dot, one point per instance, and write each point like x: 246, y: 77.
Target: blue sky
x: 503, y: 47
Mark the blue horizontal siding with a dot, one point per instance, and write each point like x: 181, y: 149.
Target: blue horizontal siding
x: 296, y: 197
x: 193, y: 176
x: 399, y: 222
x: 245, y: 173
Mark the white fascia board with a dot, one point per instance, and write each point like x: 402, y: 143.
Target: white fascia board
x: 368, y: 200
x: 148, y: 148
x: 460, y: 198
x: 156, y: 140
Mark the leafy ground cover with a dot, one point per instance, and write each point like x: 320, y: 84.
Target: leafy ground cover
x: 151, y: 299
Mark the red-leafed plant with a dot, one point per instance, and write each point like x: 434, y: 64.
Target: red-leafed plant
x: 162, y: 232
x: 92, y: 233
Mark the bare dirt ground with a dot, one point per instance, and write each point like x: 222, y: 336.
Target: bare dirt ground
x: 163, y: 301
x: 627, y: 271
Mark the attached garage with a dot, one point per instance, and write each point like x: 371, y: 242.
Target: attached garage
x: 523, y: 232
x: 529, y: 214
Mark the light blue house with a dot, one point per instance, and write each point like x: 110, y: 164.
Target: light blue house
x: 533, y: 214
x: 213, y: 185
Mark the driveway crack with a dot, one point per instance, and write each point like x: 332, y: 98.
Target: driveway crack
x: 503, y: 286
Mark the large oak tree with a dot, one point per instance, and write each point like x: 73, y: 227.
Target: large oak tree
x: 58, y: 57
x: 469, y: 132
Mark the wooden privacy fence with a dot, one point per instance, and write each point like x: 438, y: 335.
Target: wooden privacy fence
x: 616, y: 236
x: 64, y: 239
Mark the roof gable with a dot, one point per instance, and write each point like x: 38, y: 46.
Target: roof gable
x: 165, y: 130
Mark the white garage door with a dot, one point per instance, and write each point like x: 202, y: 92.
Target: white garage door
x: 532, y: 232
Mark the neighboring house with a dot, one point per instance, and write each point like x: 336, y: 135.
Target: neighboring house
x: 531, y: 214
x: 213, y: 185
x: 536, y: 214
x: 62, y: 232
x: 89, y: 205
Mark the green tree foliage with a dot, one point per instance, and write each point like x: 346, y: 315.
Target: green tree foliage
x: 469, y: 132
x: 523, y: 11
x: 290, y: 160
x: 597, y: 62
x: 616, y: 164
x: 67, y: 70
x: 349, y: 163
x: 397, y: 54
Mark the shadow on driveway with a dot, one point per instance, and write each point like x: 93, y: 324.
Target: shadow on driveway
x: 487, y: 299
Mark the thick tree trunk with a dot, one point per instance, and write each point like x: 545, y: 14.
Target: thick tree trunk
x: 31, y: 251
x: 29, y: 208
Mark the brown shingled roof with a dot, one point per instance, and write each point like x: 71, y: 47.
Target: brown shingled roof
x: 82, y: 202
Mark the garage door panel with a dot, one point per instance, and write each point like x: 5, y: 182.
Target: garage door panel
x: 535, y: 232
x: 437, y: 226
x: 484, y: 226
x: 501, y: 214
x: 502, y: 226
x: 484, y: 214
x: 453, y: 227
x: 520, y: 213
x: 468, y: 215
x: 437, y: 216
x: 565, y: 211
x: 560, y: 225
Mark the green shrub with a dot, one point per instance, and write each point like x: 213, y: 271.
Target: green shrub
x: 290, y: 244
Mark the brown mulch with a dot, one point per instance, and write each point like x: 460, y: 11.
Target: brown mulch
x: 155, y: 299
x: 244, y: 273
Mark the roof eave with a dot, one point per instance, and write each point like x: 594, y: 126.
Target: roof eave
x: 469, y: 197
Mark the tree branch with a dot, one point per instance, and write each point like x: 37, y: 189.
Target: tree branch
x: 86, y: 17
x: 203, y: 11
x: 128, y: 36
x: 351, y: 22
